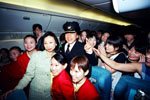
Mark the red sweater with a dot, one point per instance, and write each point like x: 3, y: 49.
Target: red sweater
x: 87, y: 92
x: 62, y: 87
x: 9, y: 76
x: 23, y: 61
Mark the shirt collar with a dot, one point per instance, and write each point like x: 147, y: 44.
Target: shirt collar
x: 71, y: 46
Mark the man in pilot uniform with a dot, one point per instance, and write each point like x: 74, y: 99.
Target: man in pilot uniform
x: 73, y: 47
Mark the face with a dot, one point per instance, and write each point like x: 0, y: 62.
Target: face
x: 110, y: 48
x: 56, y: 67
x: 129, y: 37
x: 105, y: 36
x: 83, y: 36
x: 147, y: 59
x: 13, y: 54
x: 77, y: 74
x: 92, y: 41
x: 49, y: 43
x: 29, y: 44
x: 4, y: 54
x: 71, y: 37
x: 38, y: 32
x: 133, y: 55
x: 99, y: 35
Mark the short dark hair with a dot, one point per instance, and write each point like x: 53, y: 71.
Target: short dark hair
x: 86, y: 30
x: 131, y: 29
x: 35, y: 26
x: 148, y: 49
x: 60, y: 58
x: 140, y: 46
x: 48, y: 33
x: 15, y: 48
x: 82, y: 62
x: 62, y: 37
x: 116, y: 41
x: 32, y: 36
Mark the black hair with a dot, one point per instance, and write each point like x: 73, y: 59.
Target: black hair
x: 86, y: 30
x: 48, y: 33
x: 130, y: 30
x: 100, y: 31
x: 140, y: 46
x: 35, y: 26
x: 4, y: 49
x: 109, y: 32
x: 116, y: 41
x: 32, y: 36
x: 62, y: 37
x: 16, y: 48
x: 60, y: 58
x: 148, y: 49
x: 91, y: 35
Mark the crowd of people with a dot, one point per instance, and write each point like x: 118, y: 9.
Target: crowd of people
x: 60, y: 69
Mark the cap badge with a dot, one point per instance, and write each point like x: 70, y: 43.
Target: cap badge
x: 69, y: 27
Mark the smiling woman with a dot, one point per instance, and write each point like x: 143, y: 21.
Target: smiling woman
x: 39, y: 67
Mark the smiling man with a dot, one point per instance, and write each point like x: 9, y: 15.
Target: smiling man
x: 72, y: 47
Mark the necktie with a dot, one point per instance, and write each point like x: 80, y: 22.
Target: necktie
x: 67, y: 51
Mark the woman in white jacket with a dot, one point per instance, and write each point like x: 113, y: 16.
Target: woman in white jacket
x: 38, y: 70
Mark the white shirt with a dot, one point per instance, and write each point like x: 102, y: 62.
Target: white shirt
x: 70, y: 47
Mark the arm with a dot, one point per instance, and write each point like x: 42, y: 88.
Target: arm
x: 67, y: 89
x: 131, y: 67
x: 120, y: 58
x: 29, y: 73
x: 109, y: 68
x: 93, y: 59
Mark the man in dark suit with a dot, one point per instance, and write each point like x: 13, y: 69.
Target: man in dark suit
x: 72, y: 47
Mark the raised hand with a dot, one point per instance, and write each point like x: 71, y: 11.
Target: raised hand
x: 87, y: 47
x: 142, y: 58
x: 96, y: 51
x: 102, y: 50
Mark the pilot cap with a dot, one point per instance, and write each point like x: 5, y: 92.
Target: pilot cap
x: 71, y: 27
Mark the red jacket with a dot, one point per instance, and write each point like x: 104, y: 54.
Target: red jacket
x: 62, y: 87
x: 87, y: 92
x: 10, y: 75
x: 23, y: 61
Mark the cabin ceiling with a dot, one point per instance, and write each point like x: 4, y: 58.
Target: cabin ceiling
x: 139, y: 17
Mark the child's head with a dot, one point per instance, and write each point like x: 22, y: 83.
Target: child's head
x: 79, y: 68
x: 14, y: 52
x: 58, y: 63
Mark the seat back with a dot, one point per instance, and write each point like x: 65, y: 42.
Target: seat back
x: 101, y: 78
x: 17, y: 95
